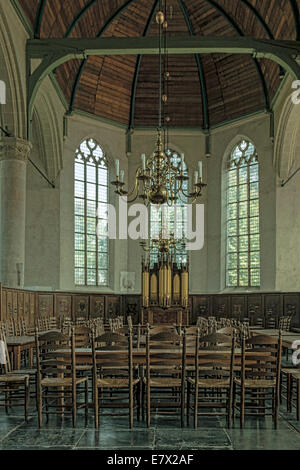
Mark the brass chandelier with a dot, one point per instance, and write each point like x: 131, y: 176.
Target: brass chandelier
x: 159, y: 180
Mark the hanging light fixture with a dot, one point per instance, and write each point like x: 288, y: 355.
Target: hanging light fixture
x: 159, y: 180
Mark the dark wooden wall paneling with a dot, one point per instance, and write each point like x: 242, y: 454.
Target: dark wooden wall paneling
x: 14, y: 302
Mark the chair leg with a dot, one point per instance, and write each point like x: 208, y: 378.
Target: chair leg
x: 46, y: 405
x: 27, y: 399
x: 289, y: 392
x: 229, y: 411
x: 138, y: 400
x: 196, y: 401
x: 188, y: 403
x: 40, y: 407
x: 74, y: 406
x: 86, y: 402
x: 96, y: 407
x: 298, y: 399
x: 148, y: 406
x: 233, y: 402
x: 143, y: 401
x: 131, y: 408
x: 242, y: 407
x: 182, y: 405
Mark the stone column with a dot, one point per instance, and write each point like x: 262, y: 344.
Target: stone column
x: 13, y: 161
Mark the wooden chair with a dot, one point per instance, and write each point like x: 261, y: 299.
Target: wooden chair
x: 259, y: 378
x: 115, y: 382
x: 83, y: 339
x: 164, y: 383
x: 14, y: 386
x: 212, y: 386
x: 57, y: 382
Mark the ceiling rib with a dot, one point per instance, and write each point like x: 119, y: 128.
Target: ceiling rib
x: 83, y: 63
x: 79, y: 16
x: 138, y: 67
x: 259, y: 17
x: 235, y: 26
x: 39, y: 19
x: 200, y: 69
x: 295, y: 10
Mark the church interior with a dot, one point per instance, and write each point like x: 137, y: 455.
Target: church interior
x: 149, y: 230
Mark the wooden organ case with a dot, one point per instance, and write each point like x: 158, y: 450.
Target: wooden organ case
x: 165, y: 292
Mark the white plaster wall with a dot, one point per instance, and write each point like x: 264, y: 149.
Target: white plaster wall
x: 287, y: 159
x: 13, y: 39
x: 113, y: 141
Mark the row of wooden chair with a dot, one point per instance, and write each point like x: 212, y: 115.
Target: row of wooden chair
x: 213, y: 380
x: 282, y: 323
x: 16, y: 327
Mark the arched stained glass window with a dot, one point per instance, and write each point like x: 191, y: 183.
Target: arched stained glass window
x: 170, y: 218
x: 243, y: 233
x: 91, y: 209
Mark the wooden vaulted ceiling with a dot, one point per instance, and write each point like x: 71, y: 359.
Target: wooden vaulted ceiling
x: 203, y: 90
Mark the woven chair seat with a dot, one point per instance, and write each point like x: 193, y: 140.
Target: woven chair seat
x: 31, y: 372
x: 115, y: 383
x: 167, y: 382
x: 252, y: 383
x: 61, y: 382
x: 211, y: 383
x: 84, y: 368
x: 10, y: 378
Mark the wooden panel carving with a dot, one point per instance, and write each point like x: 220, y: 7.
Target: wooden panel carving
x: 45, y: 305
x: 27, y: 307
x: 132, y: 307
x: 15, y: 303
x: 32, y: 308
x: 81, y: 306
x: 9, y: 303
x: 238, y: 306
x: 113, y: 307
x: 255, y: 310
x: 291, y: 306
x: 20, y: 304
x: 3, y: 305
x: 221, y: 306
x: 97, y: 307
x: 63, y: 306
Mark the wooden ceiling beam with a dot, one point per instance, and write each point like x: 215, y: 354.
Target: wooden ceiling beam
x: 55, y: 52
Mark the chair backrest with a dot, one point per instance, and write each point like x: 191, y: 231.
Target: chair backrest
x: 17, y: 326
x: 166, y: 350
x: 55, y: 354
x: 228, y: 330
x: 82, y: 337
x: 214, y: 356
x: 9, y: 327
x: 261, y: 357
x: 116, y: 352
x: 285, y: 323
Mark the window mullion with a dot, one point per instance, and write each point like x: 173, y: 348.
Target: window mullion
x: 97, y: 221
x: 238, y: 223
x: 85, y: 222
